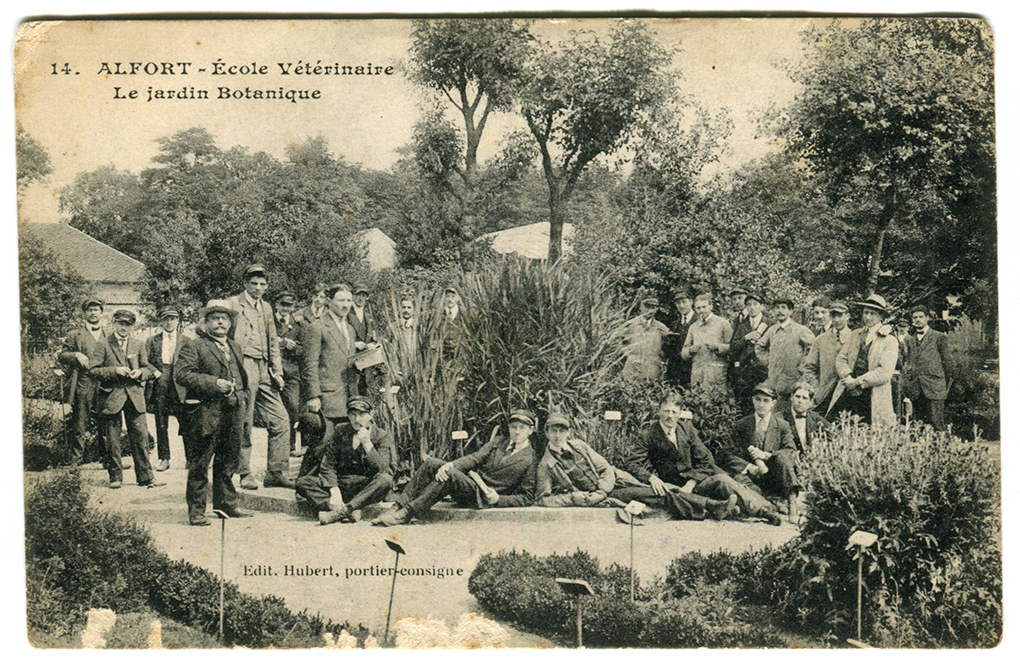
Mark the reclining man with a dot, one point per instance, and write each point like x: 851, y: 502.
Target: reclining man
x: 355, y: 461
x: 670, y: 452
x: 571, y: 473
x: 762, y: 452
x: 499, y: 474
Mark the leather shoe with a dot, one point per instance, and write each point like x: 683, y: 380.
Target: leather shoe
x: 276, y: 480
x: 115, y: 484
x: 237, y: 512
x: 153, y: 484
x: 352, y: 516
x: 720, y: 510
x: 330, y: 517
x: 248, y: 482
x: 297, y: 453
x: 199, y: 521
x: 771, y: 517
x: 393, y: 517
x: 125, y: 465
x: 163, y: 466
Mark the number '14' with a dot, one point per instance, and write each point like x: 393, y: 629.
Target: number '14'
x: 66, y: 69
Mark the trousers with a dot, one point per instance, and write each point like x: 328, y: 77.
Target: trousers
x: 138, y: 441
x: 81, y: 417
x: 681, y: 505
x: 221, y: 448
x: 781, y: 479
x: 721, y: 486
x: 366, y: 490
x: 424, y: 491
x: 264, y: 398
x: 931, y: 411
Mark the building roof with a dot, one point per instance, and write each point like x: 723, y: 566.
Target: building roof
x: 530, y: 241
x: 94, y: 260
x: 381, y: 250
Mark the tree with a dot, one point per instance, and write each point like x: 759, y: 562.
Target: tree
x: 584, y: 99
x: 109, y: 205
x: 33, y: 160
x: 51, y: 293
x: 896, y: 124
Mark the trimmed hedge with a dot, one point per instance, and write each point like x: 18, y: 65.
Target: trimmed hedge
x: 521, y: 588
x: 80, y: 558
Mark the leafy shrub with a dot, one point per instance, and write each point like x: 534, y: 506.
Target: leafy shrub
x: 80, y: 558
x: 972, y: 406
x: 521, y: 588
x: 38, y: 380
x: 934, y: 577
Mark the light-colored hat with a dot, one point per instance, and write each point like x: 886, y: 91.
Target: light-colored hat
x: 874, y: 302
x: 218, y: 305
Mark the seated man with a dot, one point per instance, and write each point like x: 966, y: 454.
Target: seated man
x: 571, y: 473
x: 805, y: 423
x: 355, y: 461
x: 500, y: 474
x: 670, y: 452
x: 762, y: 453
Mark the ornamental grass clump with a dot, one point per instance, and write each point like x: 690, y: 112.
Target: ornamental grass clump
x: 934, y: 577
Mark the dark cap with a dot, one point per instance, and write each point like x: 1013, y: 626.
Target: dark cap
x: 737, y: 290
x: 286, y: 298
x: 764, y: 389
x: 125, y: 316
x: 557, y: 420
x: 751, y: 296
x: 451, y: 290
x: 359, y: 404
x: 360, y: 288
x: 839, y: 306
x: 255, y: 269
x: 779, y: 300
x: 683, y: 293
x: 524, y: 416
x: 168, y: 312
x: 93, y: 300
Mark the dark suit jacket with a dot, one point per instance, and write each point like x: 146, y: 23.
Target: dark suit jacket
x: 326, y: 367
x: 154, y: 353
x: 927, y: 366
x: 688, y: 459
x: 677, y: 369
x: 80, y: 341
x: 340, y: 459
x: 199, y: 364
x: 114, y: 390
x: 513, y: 477
x: 293, y: 330
x: 364, y: 331
x: 777, y: 438
x: 815, y: 423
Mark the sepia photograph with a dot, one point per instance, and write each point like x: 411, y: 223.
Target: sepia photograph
x: 509, y: 331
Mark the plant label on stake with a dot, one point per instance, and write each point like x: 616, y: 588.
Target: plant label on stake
x: 457, y: 435
x: 862, y: 540
x: 576, y: 588
x: 612, y: 416
x: 633, y: 509
x: 398, y: 550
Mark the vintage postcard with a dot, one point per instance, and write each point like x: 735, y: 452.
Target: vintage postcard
x: 619, y: 332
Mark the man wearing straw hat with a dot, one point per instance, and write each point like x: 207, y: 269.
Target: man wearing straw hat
x: 865, y: 366
x: 211, y: 368
x: 165, y: 396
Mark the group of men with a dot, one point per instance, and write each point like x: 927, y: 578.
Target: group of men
x: 848, y: 369
x: 311, y: 371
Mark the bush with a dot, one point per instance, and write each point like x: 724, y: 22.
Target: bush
x: 80, y: 558
x: 934, y: 577
x: 973, y: 403
x: 521, y: 588
x: 38, y: 380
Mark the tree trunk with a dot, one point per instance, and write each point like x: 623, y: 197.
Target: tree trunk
x: 876, y: 247
x: 557, y: 216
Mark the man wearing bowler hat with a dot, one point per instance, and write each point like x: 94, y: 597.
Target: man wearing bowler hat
x: 122, y: 370
x: 76, y: 356
x: 865, y: 366
x: 355, y: 463
x: 782, y: 350
x: 255, y: 331
x: 164, y: 396
x: 500, y: 474
x: 211, y: 369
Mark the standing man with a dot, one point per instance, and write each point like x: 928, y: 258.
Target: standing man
x: 355, y: 462
x: 289, y: 333
x: 707, y: 345
x: 327, y: 370
x: 500, y: 474
x: 782, y: 350
x: 865, y: 366
x: 746, y: 371
x: 643, y: 337
x: 819, y: 368
x: 76, y: 356
x: 762, y: 453
x: 928, y: 364
x: 678, y: 370
x: 821, y: 322
x: 161, y: 350
x: 122, y: 370
x: 407, y: 326
x: 255, y: 331
x: 359, y: 318
x: 316, y: 308
x: 738, y: 306
x: 211, y: 369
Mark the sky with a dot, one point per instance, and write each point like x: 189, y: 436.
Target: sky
x: 725, y: 63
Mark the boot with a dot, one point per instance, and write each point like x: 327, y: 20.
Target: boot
x: 722, y: 509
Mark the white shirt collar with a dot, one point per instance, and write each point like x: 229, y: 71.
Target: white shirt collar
x: 257, y: 304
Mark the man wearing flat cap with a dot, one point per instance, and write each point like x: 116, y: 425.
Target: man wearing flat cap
x: 355, y: 464
x: 678, y: 370
x: 211, y: 369
x: 762, y: 454
x: 643, y: 336
x: 746, y: 370
x: 255, y: 331
x: 782, y: 350
x: 122, y: 369
x: 499, y: 474
x: 819, y: 369
x: 164, y: 397
x: 75, y: 356
x: 865, y: 366
x: 289, y: 332
x: 738, y: 306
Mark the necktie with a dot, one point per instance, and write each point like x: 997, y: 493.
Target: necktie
x: 760, y: 430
